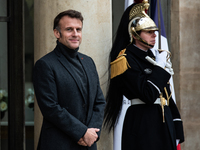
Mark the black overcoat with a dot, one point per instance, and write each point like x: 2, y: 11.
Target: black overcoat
x: 66, y: 112
x: 143, y: 125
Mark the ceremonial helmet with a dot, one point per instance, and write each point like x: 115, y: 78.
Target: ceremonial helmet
x: 139, y: 20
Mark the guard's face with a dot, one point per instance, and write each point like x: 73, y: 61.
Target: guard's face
x: 149, y: 37
x: 71, y: 32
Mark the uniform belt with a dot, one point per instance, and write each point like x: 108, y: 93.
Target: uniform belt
x: 137, y: 101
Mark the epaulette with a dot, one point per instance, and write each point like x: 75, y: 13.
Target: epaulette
x: 119, y: 65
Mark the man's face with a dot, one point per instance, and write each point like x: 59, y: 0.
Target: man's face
x: 71, y: 32
x: 149, y: 37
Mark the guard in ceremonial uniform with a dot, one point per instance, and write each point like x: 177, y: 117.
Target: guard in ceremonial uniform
x: 152, y: 121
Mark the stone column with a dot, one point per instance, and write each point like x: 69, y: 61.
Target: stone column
x: 185, y: 39
x: 96, y: 42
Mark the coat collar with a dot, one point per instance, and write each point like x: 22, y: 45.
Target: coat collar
x: 67, y: 52
x: 139, y: 52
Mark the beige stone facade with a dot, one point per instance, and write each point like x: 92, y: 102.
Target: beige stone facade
x: 97, y: 40
x: 185, y: 32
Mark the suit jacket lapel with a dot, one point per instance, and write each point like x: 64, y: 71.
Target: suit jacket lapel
x: 91, y: 85
x: 68, y: 67
x: 86, y: 68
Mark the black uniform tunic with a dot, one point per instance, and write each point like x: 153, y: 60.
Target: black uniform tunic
x: 143, y: 125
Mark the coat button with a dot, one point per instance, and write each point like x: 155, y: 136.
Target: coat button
x: 83, y: 105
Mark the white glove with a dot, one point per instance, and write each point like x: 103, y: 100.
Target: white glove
x: 161, y: 58
x: 169, y: 70
x: 169, y: 67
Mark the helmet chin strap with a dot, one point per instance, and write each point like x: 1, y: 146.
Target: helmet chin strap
x: 145, y: 42
x: 140, y: 39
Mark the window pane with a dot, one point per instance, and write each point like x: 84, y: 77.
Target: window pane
x: 3, y: 8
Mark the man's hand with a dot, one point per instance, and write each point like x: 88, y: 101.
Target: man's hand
x: 82, y: 142
x: 90, y: 136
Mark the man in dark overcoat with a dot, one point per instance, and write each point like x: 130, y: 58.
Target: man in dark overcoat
x: 67, y: 90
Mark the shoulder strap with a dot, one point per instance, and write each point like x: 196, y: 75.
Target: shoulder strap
x: 119, y: 65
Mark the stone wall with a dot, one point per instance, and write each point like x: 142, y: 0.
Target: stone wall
x: 185, y: 37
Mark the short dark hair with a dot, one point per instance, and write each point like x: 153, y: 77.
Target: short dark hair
x: 71, y: 13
